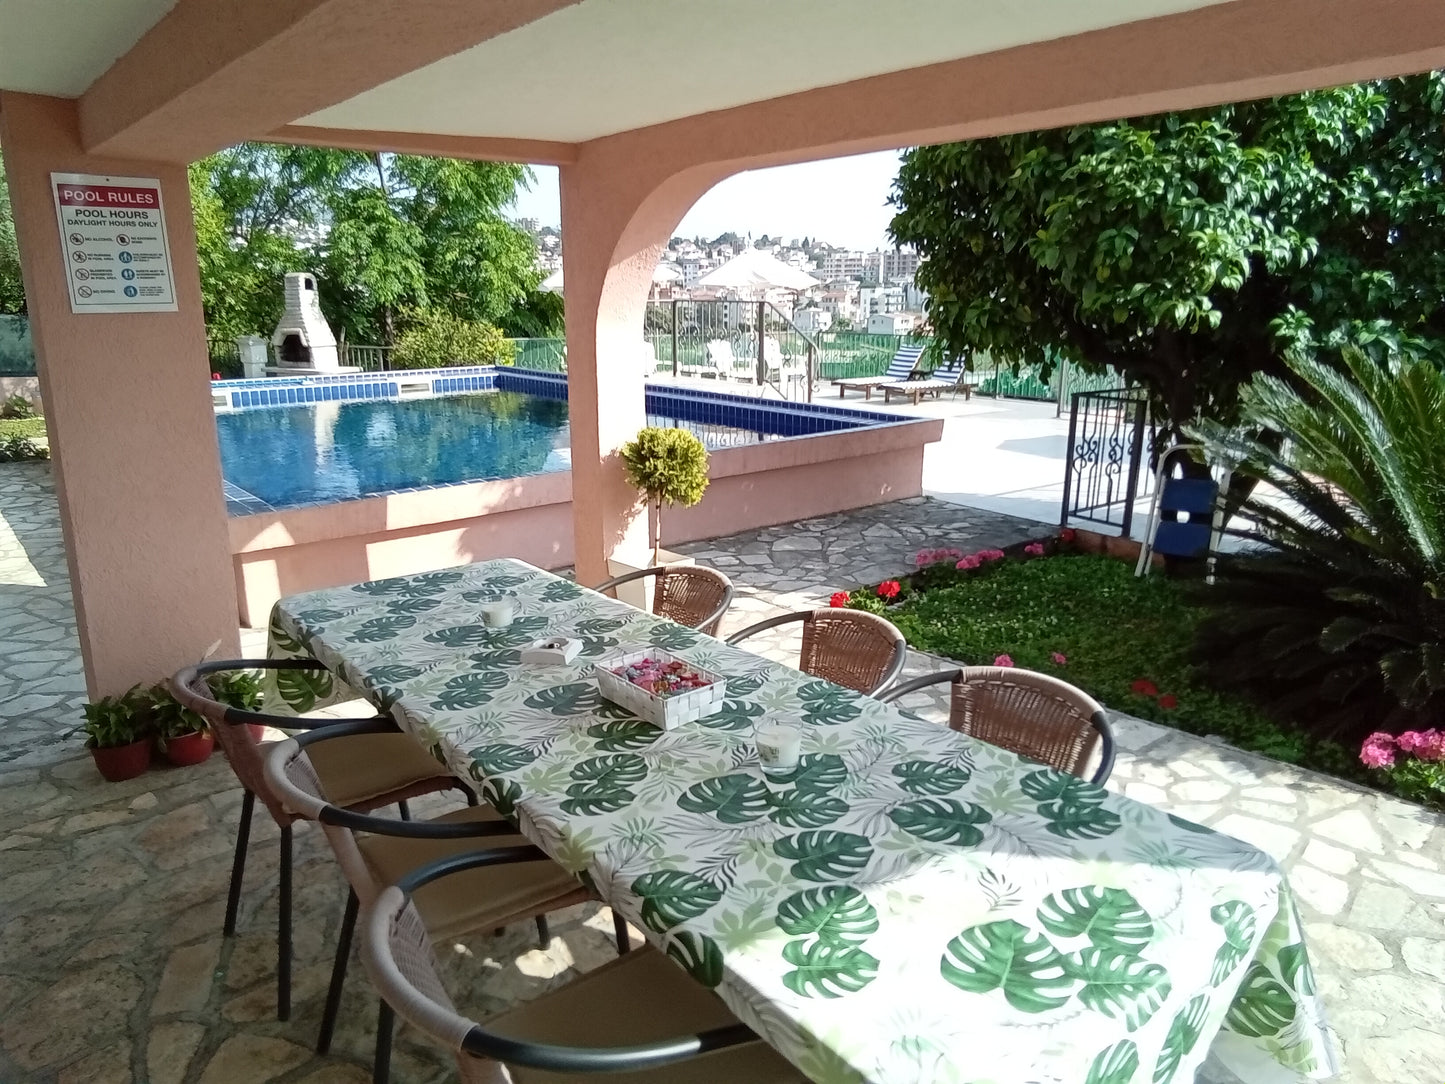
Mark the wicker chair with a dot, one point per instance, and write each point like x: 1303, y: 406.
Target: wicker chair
x: 1034, y: 715
x: 375, y: 852
x: 688, y: 594
x: 675, y: 1030
x: 377, y: 770
x: 847, y: 647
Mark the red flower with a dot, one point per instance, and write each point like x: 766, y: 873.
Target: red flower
x: 839, y: 599
x: 215, y: 376
x: 1169, y: 701
x: 889, y: 589
x: 1144, y: 687
x: 1068, y: 534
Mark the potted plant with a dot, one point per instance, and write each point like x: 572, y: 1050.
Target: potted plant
x: 181, y: 735
x: 668, y: 466
x: 240, y: 689
x: 118, y: 735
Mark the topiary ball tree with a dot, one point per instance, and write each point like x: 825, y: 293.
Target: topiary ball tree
x: 669, y: 466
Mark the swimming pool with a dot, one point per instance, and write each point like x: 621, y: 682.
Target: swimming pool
x: 299, y: 455
x: 338, y: 448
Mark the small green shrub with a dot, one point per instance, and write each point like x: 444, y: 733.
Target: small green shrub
x: 17, y: 406
x: 669, y: 466
x: 18, y: 449
x: 29, y: 428
x: 436, y: 340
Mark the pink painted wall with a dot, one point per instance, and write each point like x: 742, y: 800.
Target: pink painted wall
x: 763, y: 484
x: 128, y: 410
x: 303, y: 549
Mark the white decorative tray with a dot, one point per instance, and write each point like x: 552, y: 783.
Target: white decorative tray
x: 667, y: 712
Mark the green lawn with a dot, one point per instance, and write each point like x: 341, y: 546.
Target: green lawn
x: 21, y: 427
x: 1114, y: 632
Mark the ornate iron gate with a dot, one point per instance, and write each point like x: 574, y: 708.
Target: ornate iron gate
x: 1106, y: 452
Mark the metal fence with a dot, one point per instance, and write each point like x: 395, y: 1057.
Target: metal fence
x: 369, y: 359
x: 1105, y: 454
x: 224, y: 356
x: 17, y: 352
x: 748, y: 341
x: 545, y: 355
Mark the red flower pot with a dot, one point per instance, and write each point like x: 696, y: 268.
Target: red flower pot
x: 119, y: 762
x: 190, y: 748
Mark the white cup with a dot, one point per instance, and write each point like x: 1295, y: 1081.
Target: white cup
x: 498, y: 613
x: 778, y: 746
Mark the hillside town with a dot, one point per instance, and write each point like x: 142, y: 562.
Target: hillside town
x: 852, y: 290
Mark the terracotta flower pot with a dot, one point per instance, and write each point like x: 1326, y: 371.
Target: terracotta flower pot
x: 119, y: 762
x: 190, y: 748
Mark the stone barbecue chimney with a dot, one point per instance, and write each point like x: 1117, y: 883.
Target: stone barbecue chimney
x: 302, y: 339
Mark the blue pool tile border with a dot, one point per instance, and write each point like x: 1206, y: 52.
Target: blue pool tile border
x: 691, y: 404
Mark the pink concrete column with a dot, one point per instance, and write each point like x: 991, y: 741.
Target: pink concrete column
x: 618, y: 212
x: 128, y: 411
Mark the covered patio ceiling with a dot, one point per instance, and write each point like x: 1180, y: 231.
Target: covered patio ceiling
x: 535, y: 79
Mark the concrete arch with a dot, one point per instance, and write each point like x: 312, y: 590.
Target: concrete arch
x: 618, y: 213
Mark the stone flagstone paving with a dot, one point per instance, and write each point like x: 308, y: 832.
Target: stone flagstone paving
x: 113, y: 970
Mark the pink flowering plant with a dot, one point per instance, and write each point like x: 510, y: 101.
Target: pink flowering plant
x: 1414, y: 762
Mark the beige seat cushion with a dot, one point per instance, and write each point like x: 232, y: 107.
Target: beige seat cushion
x: 478, y: 899
x: 640, y: 998
x: 355, y: 769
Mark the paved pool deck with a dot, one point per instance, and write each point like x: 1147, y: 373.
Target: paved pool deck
x: 113, y: 970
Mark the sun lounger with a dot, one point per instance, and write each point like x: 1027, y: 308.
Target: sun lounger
x: 951, y: 376
x: 899, y: 369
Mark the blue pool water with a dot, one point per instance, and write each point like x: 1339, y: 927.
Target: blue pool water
x: 287, y: 457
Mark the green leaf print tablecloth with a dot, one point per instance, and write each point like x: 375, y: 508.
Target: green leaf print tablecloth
x: 911, y: 905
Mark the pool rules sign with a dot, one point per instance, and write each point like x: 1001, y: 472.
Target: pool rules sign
x: 113, y: 235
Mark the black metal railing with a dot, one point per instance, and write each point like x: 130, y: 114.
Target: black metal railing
x: 224, y: 356
x: 1105, y: 456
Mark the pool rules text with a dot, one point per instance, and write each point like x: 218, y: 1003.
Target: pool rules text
x: 113, y: 236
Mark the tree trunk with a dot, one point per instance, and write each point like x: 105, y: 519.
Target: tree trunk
x: 657, y: 533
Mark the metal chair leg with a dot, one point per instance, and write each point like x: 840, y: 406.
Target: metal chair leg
x: 381, y: 1067
x: 404, y: 810
x: 238, y: 864
x: 338, y: 974
x: 624, y: 939
x: 544, y: 934
x: 283, y: 932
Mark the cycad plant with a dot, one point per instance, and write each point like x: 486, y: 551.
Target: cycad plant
x: 1335, y: 616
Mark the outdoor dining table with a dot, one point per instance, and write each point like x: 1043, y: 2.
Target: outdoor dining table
x: 910, y: 904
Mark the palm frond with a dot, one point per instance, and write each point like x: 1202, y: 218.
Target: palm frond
x: 1335, y: 614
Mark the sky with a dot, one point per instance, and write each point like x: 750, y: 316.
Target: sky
x: 842, y: 201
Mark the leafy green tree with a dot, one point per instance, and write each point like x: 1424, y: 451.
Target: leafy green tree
x: 1338, y: 615
x: 388, y: 235
x: 1191, y: 250
x: 12, y: 290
